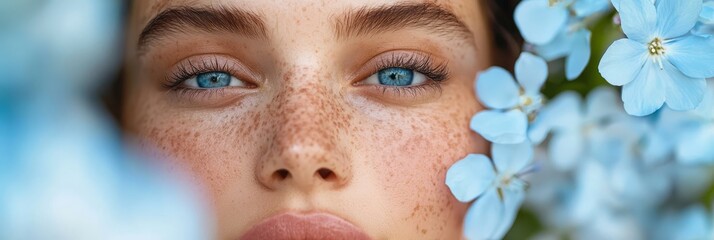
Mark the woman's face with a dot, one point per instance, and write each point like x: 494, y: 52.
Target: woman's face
x: 309, y: 110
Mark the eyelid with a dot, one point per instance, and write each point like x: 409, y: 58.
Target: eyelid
x: 433, y: 67
x: 194, y: 65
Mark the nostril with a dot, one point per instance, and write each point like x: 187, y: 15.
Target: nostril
x: 281, y: 174
x: 326, y: 174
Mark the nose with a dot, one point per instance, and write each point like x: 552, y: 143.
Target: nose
x: 305, y: 149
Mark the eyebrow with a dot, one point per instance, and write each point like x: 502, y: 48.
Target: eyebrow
x: 374, y: 20
x: 360, y: 22
x: 207, y: 19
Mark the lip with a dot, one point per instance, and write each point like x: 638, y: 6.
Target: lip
x: 304, y: 226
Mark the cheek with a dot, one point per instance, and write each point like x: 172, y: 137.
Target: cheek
x: 214, y: 147
x: 416, y: 149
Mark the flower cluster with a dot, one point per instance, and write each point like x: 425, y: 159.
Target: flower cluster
x: 618, y: 164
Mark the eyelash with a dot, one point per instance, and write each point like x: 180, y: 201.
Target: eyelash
x: 436, y: 74
x: 424, y: 65
x: 188, y: 70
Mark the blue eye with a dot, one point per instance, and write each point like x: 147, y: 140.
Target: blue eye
x: 396, y: 77
x: 213, y: 80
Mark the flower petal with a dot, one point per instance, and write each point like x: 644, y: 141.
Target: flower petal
x: 497, y: 89
x: 706, y: 108
x: 557, y: 48
x: 540, y: 127
x: 616, y: 4
x: 707, y: 14
x: 682, y: 93
x: 470, y: 177
x: 693, y: 55
x: 626, y: 180
x: 484, y: 217
x: 677, y: 17
x: 512, y: 158
x: 538, y: 22
x: 602, y: 102
x: 623, y: 61
x: 591, y: 191
x: 579, y: 56
x: 584, y: 8
x: 692, y: 223
x: 639, y: 19
x: 563, y: 112
x: 646, y: 93
x: 696, y: 146
x: 531, y: 72
x: 565, y: 149
x: 512, y: 200
x: 655, y: 148
x: 501, y: 127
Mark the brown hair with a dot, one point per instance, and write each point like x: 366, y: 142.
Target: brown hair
x: 506, y: 37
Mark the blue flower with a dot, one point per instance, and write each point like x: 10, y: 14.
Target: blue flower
x: 623, y: 184
x: 511, y: 105
x: 584, y: 8
x: 707, y: 14
x: 705, y: 27
x: 572, y: 123
x: 693, y: 222
x: 574, y: 45
x: 550, y: 193
x: 702, y: 29
x: 559, y: 29
x: 496, y: 186
x: 660, y: 61
x: 695, y: 145
x: 539, y: 21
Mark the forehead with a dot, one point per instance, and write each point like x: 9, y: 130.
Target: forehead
x: 467, y: 11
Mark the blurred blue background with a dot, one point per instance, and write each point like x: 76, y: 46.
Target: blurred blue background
x: 64, y: 171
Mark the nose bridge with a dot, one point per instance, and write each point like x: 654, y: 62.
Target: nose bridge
x: 303, y: 114
x: 305, y: 145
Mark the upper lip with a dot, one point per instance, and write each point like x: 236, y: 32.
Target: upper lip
x: 304, y: 226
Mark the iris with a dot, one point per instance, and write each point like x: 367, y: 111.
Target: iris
x: 395, y: 76
x: 213, y: 80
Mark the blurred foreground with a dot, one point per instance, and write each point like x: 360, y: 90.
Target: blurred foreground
x: 64, y: 172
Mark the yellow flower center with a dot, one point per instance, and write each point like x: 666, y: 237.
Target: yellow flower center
x: 656, y: 50
x: 529, y: 104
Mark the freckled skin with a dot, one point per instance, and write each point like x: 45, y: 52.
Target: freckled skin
x: 260, y: 152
